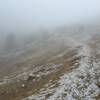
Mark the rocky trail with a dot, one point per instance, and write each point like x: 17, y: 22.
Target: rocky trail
x: 81, y: 83
x: 73, y: 74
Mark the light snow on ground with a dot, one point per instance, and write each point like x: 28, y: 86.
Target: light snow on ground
x: 80, y: 84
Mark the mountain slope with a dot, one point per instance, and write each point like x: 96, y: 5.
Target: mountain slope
x: 80, y: 84
x: 59, y: 68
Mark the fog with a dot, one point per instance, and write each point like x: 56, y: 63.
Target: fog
x: 49, y: 49
x: 27, y: 15
x: 21, y: 19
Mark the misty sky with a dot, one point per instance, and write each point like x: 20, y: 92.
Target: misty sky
x: 29, y: 14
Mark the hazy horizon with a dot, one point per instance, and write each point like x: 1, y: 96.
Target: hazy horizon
x: 27, y: 15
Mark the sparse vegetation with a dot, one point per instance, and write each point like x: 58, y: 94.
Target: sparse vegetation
x: 36, y: 66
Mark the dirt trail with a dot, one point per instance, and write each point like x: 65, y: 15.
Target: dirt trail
x: 15, y: 91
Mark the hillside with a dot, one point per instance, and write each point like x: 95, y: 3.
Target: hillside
x: 62, y: 67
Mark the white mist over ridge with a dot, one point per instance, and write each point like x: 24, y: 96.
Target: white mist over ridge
x: 27, y: 15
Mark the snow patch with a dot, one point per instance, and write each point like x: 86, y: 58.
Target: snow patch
x: 80, y: 84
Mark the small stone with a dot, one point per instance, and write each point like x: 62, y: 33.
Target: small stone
x: 31, y: 77
x: 38, y: 76
x: 98, y: 84
x: 23, y: 85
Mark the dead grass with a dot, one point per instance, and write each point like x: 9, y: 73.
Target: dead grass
x: 15, y: 91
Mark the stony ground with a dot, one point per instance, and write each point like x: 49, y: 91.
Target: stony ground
x: 73, y: 74
x: 82, y: 83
